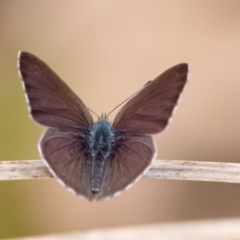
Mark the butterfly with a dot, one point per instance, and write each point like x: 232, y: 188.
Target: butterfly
x: 97, y: 160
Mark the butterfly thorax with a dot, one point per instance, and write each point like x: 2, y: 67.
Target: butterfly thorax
x: 101, y: 142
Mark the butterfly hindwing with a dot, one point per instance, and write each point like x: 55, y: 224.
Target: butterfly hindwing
x: 133, y: 156
x: 68, y: 156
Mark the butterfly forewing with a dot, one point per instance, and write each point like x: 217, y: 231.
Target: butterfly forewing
x: 52, y: 103
x: 150, y: 110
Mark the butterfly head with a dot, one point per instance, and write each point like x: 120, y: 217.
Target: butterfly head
x: 103, y: 117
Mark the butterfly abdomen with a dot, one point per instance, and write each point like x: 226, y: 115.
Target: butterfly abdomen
x: 101, y: 142
x: 98, y: 167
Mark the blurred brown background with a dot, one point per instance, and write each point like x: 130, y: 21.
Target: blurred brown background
x: 106, y: 50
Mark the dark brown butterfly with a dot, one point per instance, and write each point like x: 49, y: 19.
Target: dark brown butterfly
x: 98, y: 160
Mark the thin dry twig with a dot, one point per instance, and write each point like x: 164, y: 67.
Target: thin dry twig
x: 225, y: 229
x: 161, y: 169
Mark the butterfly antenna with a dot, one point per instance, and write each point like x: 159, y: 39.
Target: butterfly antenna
x: 93, y: 112
x: 128, y: 98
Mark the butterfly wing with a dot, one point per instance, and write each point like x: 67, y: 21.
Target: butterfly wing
x: 52, y: 103
x: 149, y: 111
x: 131, y: 158
x: 68, y: 156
